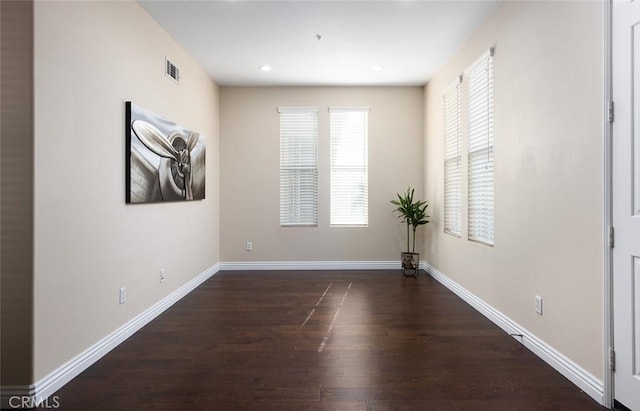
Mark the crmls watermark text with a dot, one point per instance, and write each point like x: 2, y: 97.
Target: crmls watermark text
x: 26, y: 401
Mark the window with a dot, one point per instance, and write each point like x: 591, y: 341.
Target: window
x: 298, y: 166
x: 349, y: 166
x: 452, y: 160
x: 479, y: 78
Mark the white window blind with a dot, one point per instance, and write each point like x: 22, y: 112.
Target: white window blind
x: 479, y: 78
x: 452, y: 160
x: 349, y: 166
x: 298, y: 166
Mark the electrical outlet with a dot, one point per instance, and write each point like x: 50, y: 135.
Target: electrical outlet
x: 249, y: 246
x: 123, y: 295
x: 162, y: 275
x: 538, y: 304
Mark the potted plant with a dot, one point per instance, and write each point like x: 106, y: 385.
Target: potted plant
x: 414, y: 214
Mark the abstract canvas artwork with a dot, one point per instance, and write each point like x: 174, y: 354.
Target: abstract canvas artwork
x: 164, y: 161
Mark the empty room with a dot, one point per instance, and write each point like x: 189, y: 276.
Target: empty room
x: 319, y: 205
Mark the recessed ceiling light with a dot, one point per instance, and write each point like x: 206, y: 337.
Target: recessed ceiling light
x: 265, y: 68
x: 377, y: 68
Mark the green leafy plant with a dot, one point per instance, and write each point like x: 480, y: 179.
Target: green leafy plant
x: 412, y: 212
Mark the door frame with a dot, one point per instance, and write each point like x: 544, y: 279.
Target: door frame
x: 607, y: 206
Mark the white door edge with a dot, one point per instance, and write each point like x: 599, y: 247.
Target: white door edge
x: 607, y: 129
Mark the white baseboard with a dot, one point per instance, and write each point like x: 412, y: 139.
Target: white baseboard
x: 310, y: 265
x: 572, y: 371
x: 47, y: 386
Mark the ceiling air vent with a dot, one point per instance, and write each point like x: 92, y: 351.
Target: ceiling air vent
x: 172, y: 70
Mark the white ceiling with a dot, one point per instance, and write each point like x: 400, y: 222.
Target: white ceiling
x: 232, y: 39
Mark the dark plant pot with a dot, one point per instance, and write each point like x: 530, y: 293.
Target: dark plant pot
x: 410, y: 263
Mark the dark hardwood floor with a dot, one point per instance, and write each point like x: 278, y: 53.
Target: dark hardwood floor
x: 321, y: 340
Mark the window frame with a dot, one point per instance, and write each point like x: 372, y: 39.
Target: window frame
x: 479, y: 78
x: 298, y: 194
x: 339, y: 169
x: 452, y: 156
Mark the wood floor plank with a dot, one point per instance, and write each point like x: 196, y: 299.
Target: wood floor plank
x: 321, y: 340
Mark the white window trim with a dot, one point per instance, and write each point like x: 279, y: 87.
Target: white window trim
x: 452, y: 133
x: 299, y: 209
x: 338, y: 214
x: 480, y: 150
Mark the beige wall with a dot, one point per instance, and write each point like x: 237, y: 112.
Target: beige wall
x: 16, y: 262
x: 91, y: 57
x: 548, y: 174
x: 250, y: 173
